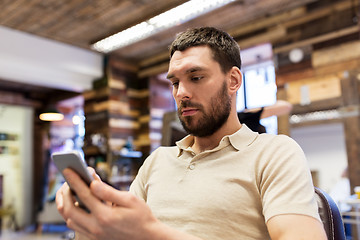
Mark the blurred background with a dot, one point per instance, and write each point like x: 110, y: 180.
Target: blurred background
x: 100, y: 67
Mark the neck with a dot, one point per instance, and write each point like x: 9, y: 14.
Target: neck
x: 231, y: 126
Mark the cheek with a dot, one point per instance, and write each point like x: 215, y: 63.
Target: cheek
x: 174, y: 92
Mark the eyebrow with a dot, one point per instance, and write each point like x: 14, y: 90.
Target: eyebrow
x: 190, y: 70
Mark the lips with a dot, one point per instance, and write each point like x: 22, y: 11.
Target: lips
x: 189, y: 111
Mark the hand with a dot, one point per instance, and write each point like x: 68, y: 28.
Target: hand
x: 128, y: 218
x: 65, y: 188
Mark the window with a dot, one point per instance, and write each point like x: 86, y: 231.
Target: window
x: 259, y: 85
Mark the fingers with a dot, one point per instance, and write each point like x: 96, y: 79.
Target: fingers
x: 108, y: 193
x: 69, y: 205
x: 79, y: 230
x: 75, y: 217
x: 80, y: 188
x: 93, y: 173
x: 59, y: 199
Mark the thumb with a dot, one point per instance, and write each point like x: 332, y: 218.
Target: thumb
x: 109, y: 194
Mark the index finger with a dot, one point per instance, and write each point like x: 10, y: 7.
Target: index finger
x: 115, y: 196
x: 80, y: 188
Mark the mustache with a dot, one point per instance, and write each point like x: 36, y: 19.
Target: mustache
x: 188, y: 103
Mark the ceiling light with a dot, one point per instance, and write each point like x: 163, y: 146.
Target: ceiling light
x: 51, y: 115
x: 175, y: 16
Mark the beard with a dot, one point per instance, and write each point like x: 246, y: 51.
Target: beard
x: 211, y: 120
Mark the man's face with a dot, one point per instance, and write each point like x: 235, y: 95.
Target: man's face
x: 200, y: 91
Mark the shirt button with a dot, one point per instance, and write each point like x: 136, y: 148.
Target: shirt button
x: 192, y: 166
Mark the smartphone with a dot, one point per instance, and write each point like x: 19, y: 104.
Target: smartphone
x: 74, y: 161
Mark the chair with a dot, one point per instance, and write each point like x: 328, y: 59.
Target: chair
x: 330, y: 216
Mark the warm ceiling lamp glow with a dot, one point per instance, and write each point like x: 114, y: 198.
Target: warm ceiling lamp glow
x: 175, y: 16
x: 51, y: 116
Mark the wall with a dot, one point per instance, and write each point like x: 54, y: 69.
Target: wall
x: 17, y: 167
x: 27, y: 58
x: 325, y: 149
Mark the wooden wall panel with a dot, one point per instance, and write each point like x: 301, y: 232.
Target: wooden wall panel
x: 351, y: 97
x: 314, y: 89
x: 343, y: 52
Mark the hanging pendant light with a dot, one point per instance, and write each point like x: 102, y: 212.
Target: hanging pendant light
x: 51, y: 115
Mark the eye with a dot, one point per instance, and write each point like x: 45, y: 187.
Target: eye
x: 175, y: 84
x: 196, y: 78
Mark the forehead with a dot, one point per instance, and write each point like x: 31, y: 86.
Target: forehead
x: 199, y: 56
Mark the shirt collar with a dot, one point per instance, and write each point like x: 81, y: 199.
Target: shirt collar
x: 239, y: 140
x: 243, y: 138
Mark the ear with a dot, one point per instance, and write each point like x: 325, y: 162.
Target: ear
x: 235, y: 80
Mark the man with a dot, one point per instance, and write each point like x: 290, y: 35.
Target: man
x: 221, y: 182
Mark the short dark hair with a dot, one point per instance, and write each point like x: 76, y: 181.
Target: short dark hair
x: 224, y: 48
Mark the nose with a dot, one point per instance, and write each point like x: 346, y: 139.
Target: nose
x: 183, y: 91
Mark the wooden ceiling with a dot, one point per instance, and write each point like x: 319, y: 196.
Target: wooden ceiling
x: 307, y: 24
x: 82, y: 22
x: 78, y: 22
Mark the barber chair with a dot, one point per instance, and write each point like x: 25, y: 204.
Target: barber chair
x: 330, y: 216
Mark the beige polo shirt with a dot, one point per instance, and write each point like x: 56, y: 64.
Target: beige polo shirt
x: 228, y: 192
